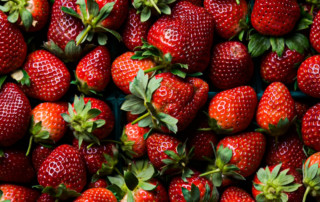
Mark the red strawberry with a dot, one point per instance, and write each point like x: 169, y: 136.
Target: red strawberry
x: 235, y: 194
x: 93, y: 71
x: 201, y: 142
x: 308, y: 76
x: 301, y: 109
x: 311, y: 176
x: 229, y: 16
x: 231, y: 65
x: 97, y: 195
x: 315, y: 33
x: 46, y: 198
x: 100, y: 183
x: 231, y: 111
x: 13, y: 47
x: 186, y: 34
x: 39, y: 155
x: 278, y: 184
x: 47, y: 79
x: 275, y: 110
x: 282, y: 69
x: 14, y: 114
x: 15, y: 167
x: 310, y: 127
x: 131, y: 117
x: 275, y: 17
x: 16, y: 193
x: 158, y: 194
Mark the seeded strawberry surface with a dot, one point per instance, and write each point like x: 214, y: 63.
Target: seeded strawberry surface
x: 310, y: 127
x: 98, y: 195
x: 18, y: 193
x: 315, y: 33
x: 235, y: 194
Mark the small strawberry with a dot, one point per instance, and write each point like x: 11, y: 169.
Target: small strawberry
x: 100, y: 183
x: 315, y: 33
x: 93, y: 71
x: 39, y: 155
x: 275, y: 110
x: 97, y: 195
x: 311, y: 176
x: 235, y: 194
x: 231, y: 65
x: 16, y: 193
x: 301, y: 109
x: 310, y: 127
x: 276, y: 183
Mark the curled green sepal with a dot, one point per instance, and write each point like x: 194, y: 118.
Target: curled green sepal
x: 193, y: 195
x: 311, y: 179
x: 214, y: 126
x: 83, y: 86
x: 60, y: 192
x: 280, y: 129
x: 127, y: 146
x: 146, y: 7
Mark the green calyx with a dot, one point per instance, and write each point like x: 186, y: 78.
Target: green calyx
x: 22, y: 77
x: 2, y: 80
x: 92, y: 17
x: 127, y: 146
x: 311, y: 179
x: 60, y: 192
x: 280, y: 129
x: 194, y: 194
x: 214, y: 126
x: 274, y: 185
x: 142, y: 89
x: 83, y: 87
x: 81, y: 121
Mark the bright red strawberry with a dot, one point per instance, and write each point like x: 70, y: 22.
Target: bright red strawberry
x: 275, y: 17
x: 100, y: 183
x: 14, y: 114
x: 231, y: 111
x: 39, y: 155
x: 278, y: 183
x: 158, y: 194
x: 229, y: 16
x: 282, y: 69
x: 301, y: 109
x: 315, y: 33
x: 186, y: 34
x: 308, y: 76
x: 93, y: 71
x: 311, y: 176
x: 310, y: 127
x: 15, y: 167
x: 13, y: 47
x: 47, y: 79
x: 124, y: 69
x: 234, y: 194
x: 16, y: 193
x: 275, y: 110
x: 231, y: 65
x: 97, y: 195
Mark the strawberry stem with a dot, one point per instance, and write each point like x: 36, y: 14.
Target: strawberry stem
x: 311, y: 10
x: 30, y: 145
x: 155, y: 6
x: 204, y: 129
x: 84, y: 35
x: 211, y: 172
x: 154, y: 68
x: 306, y: 194
x: 140, y: 118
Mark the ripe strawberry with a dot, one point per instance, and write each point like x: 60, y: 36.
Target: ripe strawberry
x: 13, y: 48
x: 231, y: 65
x: 15, y: 167
x: 201, y: 142
x: 275, y: 17
x: 100, y: 183
x: 93, y: 71
x: 229, y: 16
x: 231, y: 111
x: 282, y: 69
x: 275, y: 110
x: 14, y: 114
x: 301, y: 109
x: 131, y: 117
x: 44, y: 76
x: 124, y: 69
x: 39, y: 155
x: 133, y: 142
x: 173, y: 34
x: 97, y: 195
x: 158, y: 194
x: 315, y: 33
x: 277, y: 183
x: 46, y: 198
x: 16, y: 193
x: 311, y: 176
x: 235, y: 194
x: 310, y: 127
x: 63, y: 171
x: 308, y: 76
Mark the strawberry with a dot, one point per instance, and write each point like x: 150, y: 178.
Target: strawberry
x: 202, y: 142
x: 100, y: 183
x: 231, y: 65
x: 15, y: 167
x: 131, y: 117
x: 124, y: 69
x: 315, y: 33
x: 308, y: 74
x: 311, y: 176
x: 229, y: 16
x: 31, y: 14
x: 13, y: 49
x: 14, y: 114
x: 133, y: 141
x: 93, y: 71
x: 63, y: 173
x: 231, y: 111
x: 277, y: 183
x: 173, y: 34
x: 301, y: 109
x: 44, y: 76
x: 158, y: 194
x: 235, y: 194
x: 310, y: 127
x: 281, y: 69
x: 46, y: 198
x: 90, y: 119
x: 16, y: 193
x: 275, y: 110
x: 97, y: 195
x: 39, y: 155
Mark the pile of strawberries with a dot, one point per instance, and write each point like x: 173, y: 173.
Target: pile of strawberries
x: 159, y: 100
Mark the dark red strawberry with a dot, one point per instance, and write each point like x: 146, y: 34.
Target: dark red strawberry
x: 233, y: 194
x: 131, y: 117
x: 310, y: 127
x: 202, y: 142
x: 14, y: 114
x: 231, y: 65
x: 46, y: 198
x: 301, y: 109
x: 16, y: 193
x: 97, y: 194
x: 100, y: 183
x: 13, y: 47
x: 315, y: 33
x: 39, y: 155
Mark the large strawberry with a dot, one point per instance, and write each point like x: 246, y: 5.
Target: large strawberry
x: 14, y: 114
x: 311, y: 176
x: 16, y: 193
x: 97, y: 195
x: 39, y: 155
x: 13, y: 49
x: 231, y: 65
x: 235, y: 194
x: 310, y: 127
x: 315, y: 33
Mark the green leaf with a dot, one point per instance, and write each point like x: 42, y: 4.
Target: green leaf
x: 284, y: 197
x: 225, y: 155
x: 277, y: 45
x: 275, y: 171
x: 93, y: 8
x: 72, y: 50
x: 6, y: 8
x: 105, y: 11
x: 133, y: 104
x: 99, y: 123
x: 169, y: 121
x: 165, y: 9
x: 13, y: 17
x: 145, y: 14
x: 186, y: 194
x: 92, y: 113
x: 147, y: 186
x: 71, y: 12
x: 146, y: 122
x: 2, y: 80
x: 131, y: 180
x: 297, y: 42
x: 258, y: 44
x: 172, y: 155
x: 26, y: 18
x: 145, y: 136
x: 117, y: 191
x: 178, y: 73
x: 82, y: 36
x: 153, y: 85
x: 261, y: 198
x: 114, y: 33
x: 102, y: 39
x: 139, y: 84
x: 83, y: 8
x: 262, y: 175
x: 217, y: 179
x: 130, y: 197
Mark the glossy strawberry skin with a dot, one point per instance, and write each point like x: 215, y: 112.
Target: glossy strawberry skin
x: 49, y: 77
x: 315, y: 33
x: 39, y: 10
x: 46, y: 198
x: 231, y: 65
x: 97, y: 194
x: 201, y: 141
x: 159, y: 194
x: 63, y: 165
x: 308, y: 76
x: 14, y: 114
x: 13, y: 48
x: 227, y: 15
x: 235, y: 194
x: 16, y: 193
x: 310, y: 127
x: 100, y: 183
x: 131, y: 117
x: 301, y: 109
x: 16, y: 167
x: 275, y: 17
x: 186, y: 34
x: 282, y: 69
x: 39, y: 155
